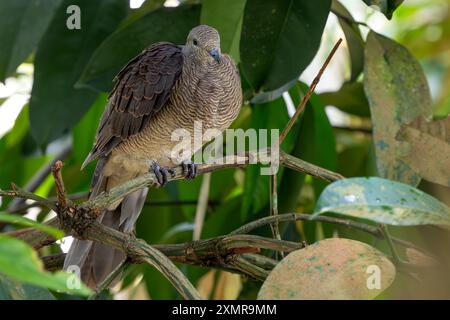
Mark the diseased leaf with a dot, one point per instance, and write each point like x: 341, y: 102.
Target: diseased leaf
x: 279, y: 39
x: 19, y: 261
x: 16, y: 219
x: 382, y: 201
x: 165, y: 24
x: 429, y: 152
x: 419, y: 258
x: 387, y: 7
x: 355, y: 42
x: 22, y: 25
x: 398, y: 92
x: 229, y: 25
x: 330, y: 269
x: 55, y: 105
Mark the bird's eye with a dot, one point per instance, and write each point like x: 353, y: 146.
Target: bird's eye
x: 195, y: 42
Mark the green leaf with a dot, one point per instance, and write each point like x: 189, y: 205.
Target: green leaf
x: 314, y: 143
x: 18, y: 159
x: 147, y: 6
x: 272, y: 115
x: 83, y: 133
x: 19, y: 261
x: 316, y: 128
x: 387, y: 7
x: 429, y: 154
x: 16, y: 219
x: 330, y: 269
x: 355, y: 42
x: 165, y: 24
x: 349, y: 98
x: 229, y: 24
x: 14, y: 290
x: 398, y: 92
x: 59, y: 62
x: 382, y: 201
x: 22, y: 25
x: 20, y: 129
x: 279, y: 39
x: 158, y: 287
x: 224, y: 219
x: 356, y: 160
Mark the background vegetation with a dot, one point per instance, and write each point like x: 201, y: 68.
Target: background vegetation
x: 371, y: 116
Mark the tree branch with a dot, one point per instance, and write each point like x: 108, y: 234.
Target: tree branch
x: 39, y: 177
x: 219, y: 252
x: 308, y: 94
x: 223, y: 252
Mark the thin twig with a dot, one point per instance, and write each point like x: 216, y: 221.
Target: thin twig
x: 108, y: 280
x: 377, y: 232
x: 23, y: 194
x: 61, y: 193
x: 387, y: 236
x: 119, y: 192
x: 274, y: 208
x: 159, y: 203
x: 260, y: 260
x: 246, y: 266
x: 302, y: 166
x: 363, y: 130
x: 23, y: 208
x: 39, y: 177
x: 202, y: 206
x: 307, y: 217
x: 308, y: 94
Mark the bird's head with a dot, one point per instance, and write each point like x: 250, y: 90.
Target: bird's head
x: 203, y: 44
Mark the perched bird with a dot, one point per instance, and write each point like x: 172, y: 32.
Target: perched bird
x: 165, y: 88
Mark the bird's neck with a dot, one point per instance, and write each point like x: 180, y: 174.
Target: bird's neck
x: 193, y: 62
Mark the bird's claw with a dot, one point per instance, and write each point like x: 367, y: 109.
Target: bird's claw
x: 162, y: 174
x: 189, y: 170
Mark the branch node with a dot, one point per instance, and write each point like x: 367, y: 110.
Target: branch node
x: 189, y: 251
x: 75, y: 219
x: 129, y: 247
x: 59, y: 184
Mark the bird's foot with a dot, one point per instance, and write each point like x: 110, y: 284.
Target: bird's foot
x: 189, y: 170
x: 162, y: 174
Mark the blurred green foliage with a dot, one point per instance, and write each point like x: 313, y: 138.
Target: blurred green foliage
x: 273, y: 41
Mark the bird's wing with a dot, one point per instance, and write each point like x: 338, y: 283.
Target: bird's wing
x: 142, y: 88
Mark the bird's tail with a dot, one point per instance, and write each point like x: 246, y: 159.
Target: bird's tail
x: 94, y: 260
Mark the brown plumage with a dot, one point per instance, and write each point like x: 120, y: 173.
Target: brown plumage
x: 165, y: 88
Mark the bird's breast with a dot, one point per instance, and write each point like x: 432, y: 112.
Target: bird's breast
x: 202, y: 99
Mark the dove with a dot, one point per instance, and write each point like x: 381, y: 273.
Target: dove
x: 165, y: 88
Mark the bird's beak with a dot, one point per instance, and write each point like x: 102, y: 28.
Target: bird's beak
x: 215, y: 54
